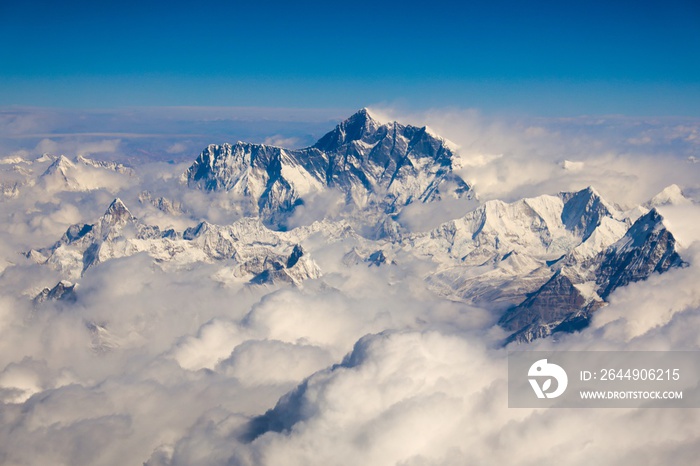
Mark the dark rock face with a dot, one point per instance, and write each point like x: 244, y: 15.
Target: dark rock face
x: 583, y: 211
x: 117, y: 214
x: 647, y: 247
x: 63, y: 291
x: 544, y: 309
x: 294, y: 257
x: 75, y: 232
x: 361, y: 152
x: 377, y: 258
x: 274, y: 269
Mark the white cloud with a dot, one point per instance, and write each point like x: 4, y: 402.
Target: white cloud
x: 213, y: 343
x: 176, y: 148
x: 98, y: 147
x: 282, y: 141
x: 271, y: 362
x: 47, y: 146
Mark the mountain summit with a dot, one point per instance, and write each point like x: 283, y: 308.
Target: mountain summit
x: 378, y: 167
x: 354, y: 128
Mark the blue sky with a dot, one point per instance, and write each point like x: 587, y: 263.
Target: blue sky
x: 538, y: 57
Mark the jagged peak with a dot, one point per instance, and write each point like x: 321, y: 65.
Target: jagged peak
x: 588, y: 191
x: 64, y: 284
x: 351, y: 129
x: 198, y: 230
x: 61, y: 163
x: 651, y: 217
x: 116, y: 205
x: 365, y: 114
x: 589, y: 194
x: 584, y: 210
x: 362, y: 119
x: 225, y: 149
x: 63, y: 160
x: 117, y: 212
x: 45, y: 157
x: 640, y: 230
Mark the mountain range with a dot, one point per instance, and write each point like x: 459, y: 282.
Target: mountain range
x: 544, y: 265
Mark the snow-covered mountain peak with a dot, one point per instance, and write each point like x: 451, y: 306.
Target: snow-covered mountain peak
x: 359, y: 126
x: 45, y: 157
x: 60, y: 165
x: 544, y: 227
x: 253, y: 252
x: 583, y: 211
x: 84, y: 174
x: 647, y: 247
x: 115, y: 217
x: 670, y: 195
x: 367, y: 111
x: 641, y: 229
x: 112, y: 166
x: 117, y: 211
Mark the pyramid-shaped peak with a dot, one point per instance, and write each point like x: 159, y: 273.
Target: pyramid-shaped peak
x: 651, y: 225
x: 354, y: 128
x: 117, y: 213
x: 370, y: 114
x: 588, y: 192
x: 61, y: 164
x: 63, y: 160
x: 583, y: 211
x: 641, y: 229
x: 362, y: 119
x: 117, y: 205
x: 587, y: 195
x: 364, y: 112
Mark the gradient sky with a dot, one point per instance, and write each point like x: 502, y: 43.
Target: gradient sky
x: 537, y: 57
